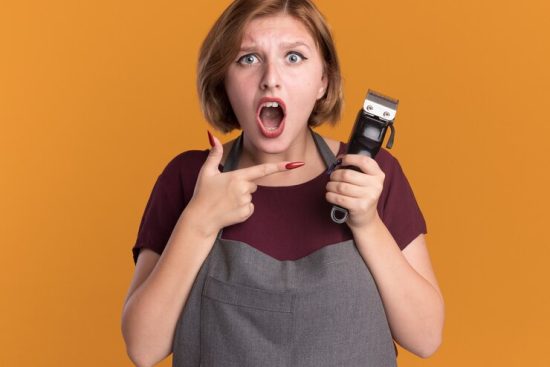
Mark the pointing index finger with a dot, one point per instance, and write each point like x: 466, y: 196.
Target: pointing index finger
x: 266, y: 169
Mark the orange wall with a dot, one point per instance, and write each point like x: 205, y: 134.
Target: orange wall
x: 97, y: 96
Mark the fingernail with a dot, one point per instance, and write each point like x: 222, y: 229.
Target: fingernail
x: 293, y: 165
x: 210, y: 139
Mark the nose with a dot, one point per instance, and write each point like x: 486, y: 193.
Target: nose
x: 270, y: 77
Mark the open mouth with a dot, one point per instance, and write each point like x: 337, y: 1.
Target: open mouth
x: 271, y: 116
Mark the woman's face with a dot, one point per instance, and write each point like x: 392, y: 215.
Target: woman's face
x: 276, y: 78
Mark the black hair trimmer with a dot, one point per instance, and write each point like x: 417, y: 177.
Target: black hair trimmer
x: 368, y: 134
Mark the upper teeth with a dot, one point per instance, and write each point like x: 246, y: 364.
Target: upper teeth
x: 270, y: 104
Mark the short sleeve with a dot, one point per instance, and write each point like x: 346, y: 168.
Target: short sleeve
x: 397, y: 205
x: 163, y: 209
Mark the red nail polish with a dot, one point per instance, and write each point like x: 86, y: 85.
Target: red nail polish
x: 210, y: 139
x: 293, y: 165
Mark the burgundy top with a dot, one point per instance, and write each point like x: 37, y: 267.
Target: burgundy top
x: 288, y: 222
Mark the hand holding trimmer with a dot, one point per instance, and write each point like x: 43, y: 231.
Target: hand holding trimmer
x: 368, y: 134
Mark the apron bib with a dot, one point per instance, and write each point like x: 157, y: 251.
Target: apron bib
x: 247, y: 309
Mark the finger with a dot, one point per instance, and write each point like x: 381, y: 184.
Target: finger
x: 340, y: 200
x: 251, y: 206
x: 351, y: 176
x: 247, y: 211
x: 345, y: 189
x: 365, y: 163
x: 245, y: 199
x: 214, y: 157
x: 245, y: 187
x: 266, y: 169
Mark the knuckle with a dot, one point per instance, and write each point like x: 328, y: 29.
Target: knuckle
x: 346, y: 175
x: 247, y: 210
x: 244, y: 212
x: 243, y: 190
x: 372, y: 195
x: 241, y: 200
x: 246, y: 198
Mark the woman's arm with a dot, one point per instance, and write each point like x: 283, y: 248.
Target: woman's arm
x: 405, y: 279
x: 159, y: 290
x: 408, y: 287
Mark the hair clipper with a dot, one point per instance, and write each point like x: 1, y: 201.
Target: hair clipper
x: 368, y: 134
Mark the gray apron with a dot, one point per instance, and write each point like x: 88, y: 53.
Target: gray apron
x: 247, y: 309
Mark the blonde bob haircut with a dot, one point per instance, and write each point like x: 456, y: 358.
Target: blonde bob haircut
x: 222, y: 45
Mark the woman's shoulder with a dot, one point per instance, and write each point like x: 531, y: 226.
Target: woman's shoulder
x: 186, y: 160
x: 387, y: 161
x: 182, y: 170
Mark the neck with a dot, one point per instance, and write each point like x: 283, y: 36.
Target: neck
x: 302, y: 148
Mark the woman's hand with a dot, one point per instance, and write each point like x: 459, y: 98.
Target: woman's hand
x: 358, y: 192
x: 221, y: 199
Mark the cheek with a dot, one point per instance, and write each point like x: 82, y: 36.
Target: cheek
x: 308, y: 83
x: 305, y: 90
x: 232, y: 87
x: 238, y: 103
x: 237, y: 93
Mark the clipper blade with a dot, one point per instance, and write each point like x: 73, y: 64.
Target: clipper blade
x: 381, y: 106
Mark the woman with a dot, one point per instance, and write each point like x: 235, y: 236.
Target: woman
x: 239, y: 263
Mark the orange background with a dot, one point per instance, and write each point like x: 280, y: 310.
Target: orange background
x: 97, y: 96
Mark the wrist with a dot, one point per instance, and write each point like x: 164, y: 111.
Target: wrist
x: 198, y: 220
x: 370, y: 227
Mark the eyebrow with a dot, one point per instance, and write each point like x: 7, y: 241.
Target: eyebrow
x: 253, y: 47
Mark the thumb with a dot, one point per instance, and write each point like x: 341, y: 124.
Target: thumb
x: 215, y: 157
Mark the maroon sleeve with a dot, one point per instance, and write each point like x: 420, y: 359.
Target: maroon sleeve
x: 171, y: 193
x: 397, y: 205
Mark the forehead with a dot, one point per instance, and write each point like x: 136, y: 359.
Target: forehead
x: 281, y: 27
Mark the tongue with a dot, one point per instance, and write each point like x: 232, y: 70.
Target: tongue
x: 271, y: 116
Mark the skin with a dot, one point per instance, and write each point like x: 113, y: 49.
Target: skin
x: 161, y: 283
x: 278, y: 58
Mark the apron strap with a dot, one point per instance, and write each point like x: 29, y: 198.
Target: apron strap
x: 231, y: 162
x: 324, y: 150
x: 232, y: 159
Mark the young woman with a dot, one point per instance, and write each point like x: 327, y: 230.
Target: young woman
x: 237, y: 260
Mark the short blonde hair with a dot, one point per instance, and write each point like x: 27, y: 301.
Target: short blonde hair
x: 222, y: 45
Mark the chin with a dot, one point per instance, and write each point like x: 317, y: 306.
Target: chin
x: 273, y: 146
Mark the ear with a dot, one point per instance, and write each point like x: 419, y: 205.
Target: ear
x: 323, y: 87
